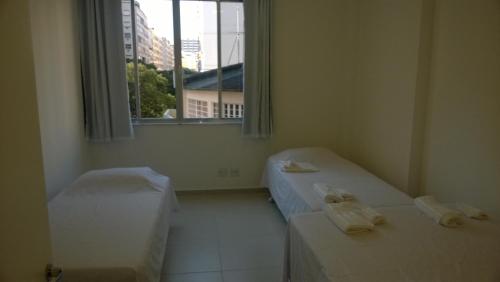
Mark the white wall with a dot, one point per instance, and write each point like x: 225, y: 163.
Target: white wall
x: 385, y: 88
x: 190, y: 154
x: 24, y: 243
x: 312, y: 71
x: 57, y: 67
x: 309, y: 92
x: 462, y: 151
x: 426, y: 103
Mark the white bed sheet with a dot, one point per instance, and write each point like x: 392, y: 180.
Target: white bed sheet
x: 410, y: 247
x: 111, y: 237
x: 294, y: 193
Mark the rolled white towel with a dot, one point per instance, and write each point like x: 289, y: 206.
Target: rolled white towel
x: 472, y: 212
x: 441, y: 214
x: 347, y: 219
x: 292, y: 166
x: 366, y: 211
x: 331, y: 194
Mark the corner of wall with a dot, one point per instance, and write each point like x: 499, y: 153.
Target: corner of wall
x: 421, y: 97
x: 57, y: 72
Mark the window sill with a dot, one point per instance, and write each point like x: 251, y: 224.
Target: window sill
x: 141, y: 122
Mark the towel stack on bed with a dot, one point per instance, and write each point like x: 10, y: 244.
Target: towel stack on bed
x: 446, y: 216
x: 297, y: 167
x: 353, y: 217
x: 472, y: 212
x: 331, y: 194
x: 441, y: 214
x: 341, y: 208
x: 347, y: 219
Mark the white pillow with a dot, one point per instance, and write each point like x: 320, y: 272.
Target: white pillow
x: 118, y: 180
x: 306, y: 154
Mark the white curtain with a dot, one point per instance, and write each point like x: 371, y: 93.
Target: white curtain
x: 104, y: 80
x: 257, y: 121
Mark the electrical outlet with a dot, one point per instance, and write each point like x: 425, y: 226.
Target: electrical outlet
x: 234, y: 172
x: 222, y: 172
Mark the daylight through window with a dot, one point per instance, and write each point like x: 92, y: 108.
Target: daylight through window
x: 195, y: 45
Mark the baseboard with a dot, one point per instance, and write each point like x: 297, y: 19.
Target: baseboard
x: 223, y: 191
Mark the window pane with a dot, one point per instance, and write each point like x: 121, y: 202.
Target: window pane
x: 232, y: 54
x: 198, y: 20
x: 129, y: 53
x: 155, y: 54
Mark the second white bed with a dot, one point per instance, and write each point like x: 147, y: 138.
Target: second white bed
x: 409, y: 247
x: 294, y: 193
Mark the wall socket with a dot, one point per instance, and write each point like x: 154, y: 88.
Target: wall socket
x: 234, y: 172
x: 222, y: 172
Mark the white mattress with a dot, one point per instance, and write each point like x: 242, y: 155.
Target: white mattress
x: 111, y: 236
x: 293, y: 192
x: 410, y: 247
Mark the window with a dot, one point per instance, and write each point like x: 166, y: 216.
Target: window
x: 184, y: 58
x: 215, y: 109
x: 197, y: 109
x: 233, y: 110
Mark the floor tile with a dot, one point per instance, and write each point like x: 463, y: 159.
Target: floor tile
x: 194, y: 255
x: 192, y: 224
x: 251, y: 252
x: 244, y: 224
x: 193, y: 277
x: 253, y: 275
x: 241, y: 234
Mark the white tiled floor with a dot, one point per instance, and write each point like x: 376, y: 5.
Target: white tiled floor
x: 225, y: 237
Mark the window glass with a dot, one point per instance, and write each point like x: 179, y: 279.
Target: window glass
x: 232, y: 54
x: 150, y: 57
x: 199, y: 54
x: 155, y: 57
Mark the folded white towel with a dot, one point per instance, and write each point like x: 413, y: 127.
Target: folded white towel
x: 292, y: 166
x: 472, y: 212
x: 347, y: 219
x: 441, y: 214
x: 365, y: 211
x: 330, y: 194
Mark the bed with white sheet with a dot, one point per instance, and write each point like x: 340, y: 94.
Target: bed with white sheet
x: 409, y: 247
x: 293, y: 192
x: 112, y: 225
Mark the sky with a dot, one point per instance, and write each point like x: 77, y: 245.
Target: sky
x: 198, y: 21
x: 159, y: 13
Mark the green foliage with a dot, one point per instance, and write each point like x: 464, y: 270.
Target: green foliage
x: 169, y: 75
x: 154, y: 88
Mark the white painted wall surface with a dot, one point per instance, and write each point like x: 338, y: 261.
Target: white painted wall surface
x: 462, y: 148
x: 24, y: 235
x: 190, y: 154
x: 57, y: 68
x: 385, y: 87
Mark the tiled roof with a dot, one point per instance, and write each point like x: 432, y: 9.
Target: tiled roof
x: 232, y: 79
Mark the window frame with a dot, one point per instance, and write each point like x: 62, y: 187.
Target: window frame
x: 178, y: 73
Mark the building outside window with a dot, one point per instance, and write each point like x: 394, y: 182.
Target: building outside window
x: 209, y: 69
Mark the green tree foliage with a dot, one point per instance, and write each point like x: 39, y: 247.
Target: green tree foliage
x: 155, y: 91
x: 169, y: 75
